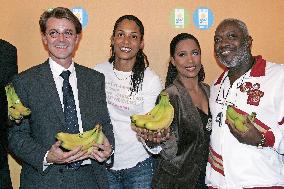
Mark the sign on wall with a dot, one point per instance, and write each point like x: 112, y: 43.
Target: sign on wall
x: 81, y: 14
x: 203, y: 18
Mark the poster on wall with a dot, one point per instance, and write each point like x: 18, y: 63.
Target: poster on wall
x: 179, y: 18
x: 203, y: 18
x: 81, y: 14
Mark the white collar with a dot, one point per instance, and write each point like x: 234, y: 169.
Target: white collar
x: 57, y: 69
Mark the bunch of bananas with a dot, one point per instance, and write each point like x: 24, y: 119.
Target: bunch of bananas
x: 159, y: 118
x: 238, y: 119
x: 16, y: 109
x: 86, y: 139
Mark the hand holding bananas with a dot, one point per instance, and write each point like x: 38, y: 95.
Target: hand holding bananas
x: 243, y: 127
x: 156, y: 137
x: 58, y: 156
x: 159, y: 118
x: 94, y: 142
x: 86, y: 139
x: 238, y: 119
x: 16, y: 110
x: 101, y: 152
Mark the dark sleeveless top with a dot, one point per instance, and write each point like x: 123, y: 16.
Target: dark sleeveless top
x: 204, y: 118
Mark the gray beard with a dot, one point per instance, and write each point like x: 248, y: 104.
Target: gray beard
x: 242, y: 55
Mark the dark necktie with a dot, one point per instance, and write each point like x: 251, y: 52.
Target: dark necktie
x: 70, y: 112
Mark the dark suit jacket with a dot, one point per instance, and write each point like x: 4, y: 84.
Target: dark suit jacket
x: 31, y: 140
x: 185, y: 156
x: 8, y: 68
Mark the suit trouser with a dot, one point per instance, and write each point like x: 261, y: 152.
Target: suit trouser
x: 5, y: 180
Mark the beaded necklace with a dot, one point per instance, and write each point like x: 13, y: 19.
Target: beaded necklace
x: 119, y: 78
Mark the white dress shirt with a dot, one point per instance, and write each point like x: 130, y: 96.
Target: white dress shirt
x: 56, y: 70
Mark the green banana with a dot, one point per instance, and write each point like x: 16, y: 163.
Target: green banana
x: 231, y: 120
x: 240, y: 126
x: 232, y: 113
x: 238, y: 119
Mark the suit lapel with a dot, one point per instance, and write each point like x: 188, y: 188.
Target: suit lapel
x: 83, y: 91
x: 49, y: 86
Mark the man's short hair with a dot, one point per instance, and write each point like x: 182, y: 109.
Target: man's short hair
x: 239, y: 23
x: 59, y: 12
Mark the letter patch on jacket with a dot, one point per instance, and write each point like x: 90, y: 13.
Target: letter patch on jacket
x: 253, y: 92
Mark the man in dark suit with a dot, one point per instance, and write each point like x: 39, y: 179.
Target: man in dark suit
x: 8, y: 68
x: 41, y: 88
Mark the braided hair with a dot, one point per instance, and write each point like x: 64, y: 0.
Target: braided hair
x: 141, y: 62
x: 172, y: 71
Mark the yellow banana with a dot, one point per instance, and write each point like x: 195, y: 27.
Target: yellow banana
x: 159, y: 114
x: 140, y: 120
x: 100, y: 138
x: 76, y: 138
x: 8, y: 95
x: 86, y: 143
x: 16, y: 110
x: 164, y: 120
x: 158, y: 118
x: 164, y: 116
x: 143, y: 121
x: 86, y: 134
x: 22, y: 109
x: 155, y: 110
x: 85, y: 139
x: 15, y: 98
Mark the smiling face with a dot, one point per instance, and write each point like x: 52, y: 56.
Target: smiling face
x: 61, y: 39
x: 127, y: 41
x: 231, y: 45
x: 187, y: 59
